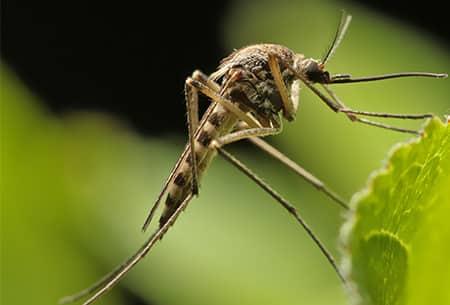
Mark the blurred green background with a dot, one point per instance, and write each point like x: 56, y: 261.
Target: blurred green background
x: 75, y: 190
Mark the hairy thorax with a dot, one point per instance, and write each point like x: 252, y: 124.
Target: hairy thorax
x: 246, y: 78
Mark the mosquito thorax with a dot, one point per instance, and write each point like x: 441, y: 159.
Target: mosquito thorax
x: 245, y: 77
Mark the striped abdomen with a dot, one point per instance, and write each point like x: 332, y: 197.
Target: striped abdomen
x: 213, y: 125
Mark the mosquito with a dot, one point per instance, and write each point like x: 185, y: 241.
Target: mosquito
x: 252, y: 90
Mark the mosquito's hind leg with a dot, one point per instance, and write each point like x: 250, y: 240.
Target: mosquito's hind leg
x: 252, y: 135
x: 283, y: 202
x: 310, y: 178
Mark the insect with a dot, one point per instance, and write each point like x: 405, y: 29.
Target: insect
x: 252, y: 90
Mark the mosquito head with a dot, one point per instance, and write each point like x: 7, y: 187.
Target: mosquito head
x: 305, y: 69
x: 313, y: 71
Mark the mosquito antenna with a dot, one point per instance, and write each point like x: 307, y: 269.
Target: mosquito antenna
x: 339, y: 79
x: 340, y: 32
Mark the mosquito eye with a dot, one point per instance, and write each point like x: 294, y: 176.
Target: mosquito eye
x: 315, y: 73
x: 315, y: 76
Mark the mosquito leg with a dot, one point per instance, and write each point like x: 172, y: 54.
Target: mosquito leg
x: 386, y: 126
x: 113, y: 277
x: 199, y: 79
x: 244, y: 134
x: 337, y: 106
x: 289, y: 106
x: 288, y: 206
x: 253, y: 137
x: 388, y: 115
x: 163, y: 191
x: 203, y: 78
x: 197, y: 75
x: 191, y: 96
x: 349, y: 111
x: 352, y: 115
x: 310, y: 178
x: 346, y: 78
x: 227, y: 104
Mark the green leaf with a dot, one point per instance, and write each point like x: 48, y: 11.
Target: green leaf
x: 396, y: 238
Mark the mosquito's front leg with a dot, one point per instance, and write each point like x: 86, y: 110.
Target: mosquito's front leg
x: 337, y: 106
x: 289, y: 106
x: 353, y: 115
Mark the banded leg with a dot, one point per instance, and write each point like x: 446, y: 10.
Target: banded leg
x: 285, y: 204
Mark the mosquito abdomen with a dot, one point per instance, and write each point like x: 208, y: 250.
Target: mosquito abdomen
x: 213, y: 126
